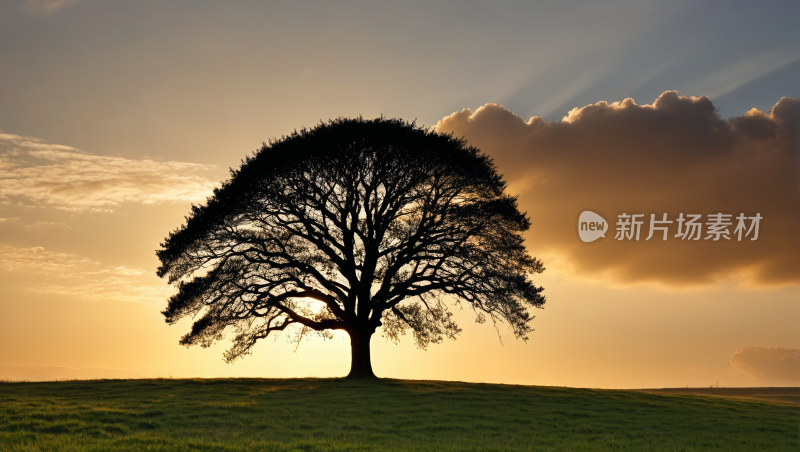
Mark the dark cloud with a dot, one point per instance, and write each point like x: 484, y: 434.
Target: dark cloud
x: 767, y: 365
x: 675, y: 156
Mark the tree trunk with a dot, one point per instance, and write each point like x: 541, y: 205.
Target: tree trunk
x: 360, y: 364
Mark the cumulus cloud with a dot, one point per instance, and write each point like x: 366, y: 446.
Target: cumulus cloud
x: 674, y: 156
x: 768, y: 365
x: 68, y: 274
x: 33, y: 172
x: 117, y: 288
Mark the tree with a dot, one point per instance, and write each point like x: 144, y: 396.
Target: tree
x: 377, y: 220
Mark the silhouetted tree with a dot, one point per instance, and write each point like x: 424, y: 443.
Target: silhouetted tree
x: 378, y: 220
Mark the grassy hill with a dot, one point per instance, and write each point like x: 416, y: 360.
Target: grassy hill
x: 384, y: 415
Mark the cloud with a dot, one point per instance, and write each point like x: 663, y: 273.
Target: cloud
x: 35, y: 224
x: 14, y: 258
x: 118, y: 288
x: 674, y: 156
x: 47, y: 224
x: 767, y: 365
x: 35, y: 173
x: 67, y: 274
x: 46, y: 6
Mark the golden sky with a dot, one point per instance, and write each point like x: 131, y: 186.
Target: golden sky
x: 116, y: 116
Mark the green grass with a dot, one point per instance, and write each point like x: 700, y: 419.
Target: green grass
x: 384, y: 415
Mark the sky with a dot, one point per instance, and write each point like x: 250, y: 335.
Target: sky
x: 116, y: 116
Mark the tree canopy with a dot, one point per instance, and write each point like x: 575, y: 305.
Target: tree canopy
x: 380, y: 221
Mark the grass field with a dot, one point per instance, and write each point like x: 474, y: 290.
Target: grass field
x: 389, y: 415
